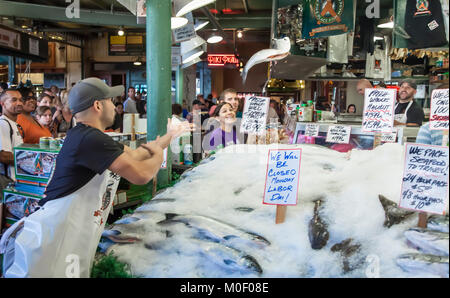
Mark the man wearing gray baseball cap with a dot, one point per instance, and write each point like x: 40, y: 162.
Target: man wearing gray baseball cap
x: 79, y: 196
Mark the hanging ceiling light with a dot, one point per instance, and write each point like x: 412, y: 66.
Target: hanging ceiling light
x: 138, y: 62
x: 182, y: 7
x: 240, y: 34
x: 200, y: 25
x: 215, y: 38
x: 178, y: 22
x: 187, y: 46
x: 120, y: 32
x: 193, y: 54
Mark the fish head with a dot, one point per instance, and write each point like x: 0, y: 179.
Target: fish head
x: 282, y: 44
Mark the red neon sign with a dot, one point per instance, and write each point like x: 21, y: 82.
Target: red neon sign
x: 222, y: 59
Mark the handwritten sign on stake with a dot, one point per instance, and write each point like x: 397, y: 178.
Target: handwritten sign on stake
x: 282, y: 180
x: 255, y: 114
x: 378, y: 113
x: 339, y: 134
x: 425, y: 179
x: 439, y: 110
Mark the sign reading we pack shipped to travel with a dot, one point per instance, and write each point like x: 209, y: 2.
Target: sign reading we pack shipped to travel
x: 425, y: 179
x: 439, y: 109
x: 378, y: 113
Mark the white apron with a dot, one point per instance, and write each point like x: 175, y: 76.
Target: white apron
x: 402, y: 118
x: 61, y: 238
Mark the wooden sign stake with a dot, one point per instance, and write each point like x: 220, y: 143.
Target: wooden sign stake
x: 281, y: 214
x: 423, y: 218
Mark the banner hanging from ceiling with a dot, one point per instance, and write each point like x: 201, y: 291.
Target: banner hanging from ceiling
x: 322, y: 18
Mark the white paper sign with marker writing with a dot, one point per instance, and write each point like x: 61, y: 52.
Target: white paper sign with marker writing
x: 439, y: 109
x: 312, y: 130
x: 339, y: 134
x: 389, y: 137
x: 164, y: 164
x: 255, y: 115
x: 378, y: 113
x: 282, y: 177
x: 425, y: 179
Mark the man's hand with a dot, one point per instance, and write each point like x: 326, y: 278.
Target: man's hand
x: 154, y: 147
x: 176, y: 130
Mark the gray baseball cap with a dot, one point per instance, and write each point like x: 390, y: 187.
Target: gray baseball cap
x: 85, y: 92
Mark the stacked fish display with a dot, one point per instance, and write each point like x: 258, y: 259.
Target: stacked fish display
x: 213, y: 223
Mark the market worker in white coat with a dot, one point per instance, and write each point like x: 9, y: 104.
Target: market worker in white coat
x: 60, y: 239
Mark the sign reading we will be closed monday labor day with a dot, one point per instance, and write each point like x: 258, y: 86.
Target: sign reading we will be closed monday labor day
x: 282, y: 177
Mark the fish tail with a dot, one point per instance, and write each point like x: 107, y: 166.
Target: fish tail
x: 244, y: 76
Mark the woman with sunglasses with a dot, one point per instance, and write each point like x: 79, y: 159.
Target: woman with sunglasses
x: 32, y: 129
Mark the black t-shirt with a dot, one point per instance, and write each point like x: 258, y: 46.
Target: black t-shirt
x: 424, y: 22
x: 415, y: 113
x: 86, y: 152
x: 118, y: 122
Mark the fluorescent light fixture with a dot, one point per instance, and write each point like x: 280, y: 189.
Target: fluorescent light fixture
x: 388, y: 25
x: 201, y: 25
x: 215, y: 38
x: 192, y: 55
x: 178, y: 22
x: 187, y: 46
x: 375, y: 38
x: 182, y: 7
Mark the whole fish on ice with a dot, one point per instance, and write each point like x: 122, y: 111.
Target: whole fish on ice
x: 392, y: 213
x: 350, y: 252
x: 229, y: 258
x: 438, y: 223
x: 418, y: 263
x: 318, y: 233
x: 280, y: 51
x: 215, y: 230
x: 429, y: 242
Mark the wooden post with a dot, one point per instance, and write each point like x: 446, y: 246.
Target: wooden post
x: 281, y: 214
x: 423, y: 218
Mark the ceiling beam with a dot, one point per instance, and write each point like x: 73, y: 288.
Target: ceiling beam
x: 58, y: 14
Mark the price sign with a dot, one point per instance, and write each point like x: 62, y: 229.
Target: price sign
x: 312, y: 130
x: 425, y: 179
x: 378, y: 113
x: 339, y: 134
x: 439, y: 109
x: 255, y: 114
x: 389, y: 137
